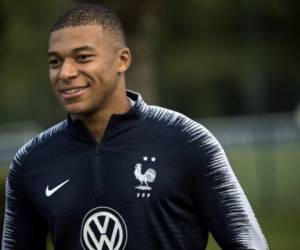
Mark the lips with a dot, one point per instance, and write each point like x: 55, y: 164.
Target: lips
x: 74, y: 92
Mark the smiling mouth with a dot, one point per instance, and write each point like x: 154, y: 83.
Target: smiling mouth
x: 73, y: 90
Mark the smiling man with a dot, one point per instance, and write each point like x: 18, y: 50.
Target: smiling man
x: 87, y: 65
x: 118, y: 173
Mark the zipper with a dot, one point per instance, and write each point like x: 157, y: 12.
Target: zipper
x: 98, y: 169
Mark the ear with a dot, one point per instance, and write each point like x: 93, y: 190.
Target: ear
x: 124, y: 56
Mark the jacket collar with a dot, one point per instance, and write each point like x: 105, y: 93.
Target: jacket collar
x: 116, y: 124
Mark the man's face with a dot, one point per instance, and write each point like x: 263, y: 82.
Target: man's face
x: 86, y: 65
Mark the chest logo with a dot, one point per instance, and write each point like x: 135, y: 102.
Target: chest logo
x: 51, y: 191
x: 103, y: 229
x: 145, y: 176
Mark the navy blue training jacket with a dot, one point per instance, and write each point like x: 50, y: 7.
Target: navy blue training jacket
x: 157, y: 180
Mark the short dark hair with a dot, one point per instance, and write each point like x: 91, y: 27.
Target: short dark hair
x: 85, y: 14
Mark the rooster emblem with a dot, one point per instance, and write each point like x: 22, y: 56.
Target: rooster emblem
x: 148, y: 177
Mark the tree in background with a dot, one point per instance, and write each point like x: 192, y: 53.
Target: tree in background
x: 230, y: 57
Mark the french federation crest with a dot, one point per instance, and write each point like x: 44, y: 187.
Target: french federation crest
x: 145, y: 175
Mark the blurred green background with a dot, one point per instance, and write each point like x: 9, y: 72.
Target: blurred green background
x: 232, y: 65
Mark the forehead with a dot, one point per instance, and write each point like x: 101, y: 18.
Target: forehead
x: 70, y: 38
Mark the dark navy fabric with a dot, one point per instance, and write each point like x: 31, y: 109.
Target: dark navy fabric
x: 157, y: 180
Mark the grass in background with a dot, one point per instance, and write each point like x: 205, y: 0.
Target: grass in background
x: 270, y: 175
x: 281, y: 231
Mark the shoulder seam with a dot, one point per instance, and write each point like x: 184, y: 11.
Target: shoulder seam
x: 26, y: 150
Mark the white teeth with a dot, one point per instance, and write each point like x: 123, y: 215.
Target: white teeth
x: 71, y: 91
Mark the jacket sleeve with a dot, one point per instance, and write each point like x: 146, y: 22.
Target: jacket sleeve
x: 220, y: 200
x: 23, y: 229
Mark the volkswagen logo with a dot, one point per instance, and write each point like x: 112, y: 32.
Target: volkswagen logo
x: 103, y: 229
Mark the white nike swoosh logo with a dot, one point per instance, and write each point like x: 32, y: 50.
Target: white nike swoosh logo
x: 49, y: 192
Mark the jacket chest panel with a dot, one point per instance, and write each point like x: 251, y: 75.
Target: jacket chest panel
x: 131, y: 182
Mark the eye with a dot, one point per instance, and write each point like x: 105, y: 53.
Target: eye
x: 54, y: 62
x: 84, y: 58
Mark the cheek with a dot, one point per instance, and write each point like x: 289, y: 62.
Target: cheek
x: 52, y: 77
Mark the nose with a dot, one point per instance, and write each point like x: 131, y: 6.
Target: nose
x: 68, y: 71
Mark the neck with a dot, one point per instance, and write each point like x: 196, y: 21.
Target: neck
x: 97, y: 122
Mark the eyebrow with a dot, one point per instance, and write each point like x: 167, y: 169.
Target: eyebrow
x: 89, y: 48
x: 83, y: 48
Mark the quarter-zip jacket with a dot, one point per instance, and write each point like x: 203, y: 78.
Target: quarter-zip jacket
x: 157, y: 180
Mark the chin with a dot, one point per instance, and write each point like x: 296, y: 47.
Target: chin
x: 76, y: 109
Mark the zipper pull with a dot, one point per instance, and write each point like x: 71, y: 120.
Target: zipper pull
x: 97, y: 149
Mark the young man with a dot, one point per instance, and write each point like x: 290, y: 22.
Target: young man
x: 118, y: 173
